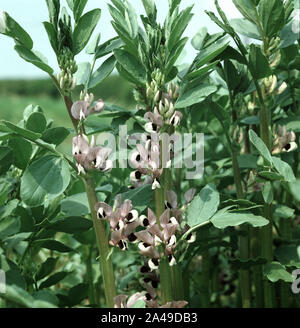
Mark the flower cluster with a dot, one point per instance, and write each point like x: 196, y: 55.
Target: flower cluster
x: 145, y: 159
x: 81, y: 109
x: 284, y: 141
x: 123, y: 221
x: 90, y: 157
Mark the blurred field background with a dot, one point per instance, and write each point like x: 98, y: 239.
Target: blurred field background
x: 15, y: 95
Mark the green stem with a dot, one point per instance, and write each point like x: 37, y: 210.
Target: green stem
x: 165, y: 280
x: 105, y: 260
x: 257, y: 270
x: 89, y: 273
x: 68, y: 102
x: 244, y: 251
x: 177, y: 283
x: 205, y: 273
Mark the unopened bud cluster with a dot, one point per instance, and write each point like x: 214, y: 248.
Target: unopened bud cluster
x: 68, y: 66
x: 273, y: 51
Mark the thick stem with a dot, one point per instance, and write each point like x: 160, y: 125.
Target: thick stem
x: 257, y: 270
x: 177, y: 282
x: 205, y: 272
x: 89, y: 276
x: 165, y: 280
x: 105, y: 260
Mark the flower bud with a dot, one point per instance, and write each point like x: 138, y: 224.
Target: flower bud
x: 156, y: 97
x: 149, y: 92
x: 99, y: 106
x: 73, y: 83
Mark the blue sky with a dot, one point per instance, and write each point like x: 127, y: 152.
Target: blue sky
x: 31, y: 13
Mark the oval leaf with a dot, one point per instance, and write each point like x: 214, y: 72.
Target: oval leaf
x: 44, y: 179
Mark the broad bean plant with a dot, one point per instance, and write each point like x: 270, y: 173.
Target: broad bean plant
x: 190, y: 199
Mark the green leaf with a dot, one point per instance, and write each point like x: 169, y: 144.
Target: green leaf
x: 51, y: 35
x: 6, y: 159
x: 36, y: 122
x: 203, y: 206
x: 289, y: 34
x: 284, y: 212
x: 233, y: 79
x: 45, y: 179
x: 295, y: 189
x: 195, y: 95
x: 275, y: 271
x: 225, y: 219
x: 284, y: 169
x: 22, y: 152
x: 131, y: 20
x: 202, y: 71
x: 140, y: 197
x: 267, y: 192
x: 260, y: 146
x: 9, y: 226
x: 209, y: 53
x: 46, y: 268
x: 78, y: 8
x: 178, y: 27
x: 216, y: 20
x: 258, y: 63
x: 175, y: 53
x: 31, y: 109
x: 54, y: 279
x: 288, y: 255
x: 53, y: 8
x: 75, y: 205
x: 9, y: 27
x: 45, y: 296
x: 55, y: 136
x: 247, y: 9
x: 22, y: 132
x: 84, y: 29
x: 78, y: 293
x: 29, y: 56
x: 9, y: 208
x: 272, y: 16
x: 18, y: 295
x: 131, y: 65
x: 74, y: 224
x: 150, y: 9
x: 83, y: 73
x: 250, y: 120
x: 102, y: 72
x: 92, y: 47
x: 109, y: 46
x: 53, y: 245
x: 272, y: 176
x: 199, y: 38
x: 245, y: 27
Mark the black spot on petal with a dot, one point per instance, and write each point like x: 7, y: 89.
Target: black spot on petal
x: 145, y: 222
x: 132, y: 237
x: 155, y: 262
x: 154, y: 283
x: 148, y: 297
x: 145, y: 269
